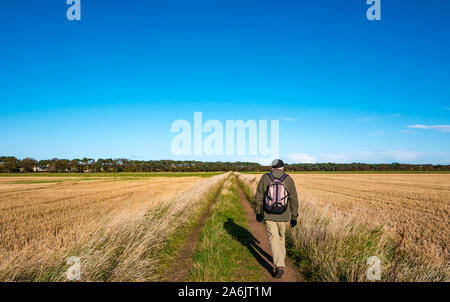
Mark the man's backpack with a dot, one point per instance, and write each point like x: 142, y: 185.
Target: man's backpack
x: 276, y: 198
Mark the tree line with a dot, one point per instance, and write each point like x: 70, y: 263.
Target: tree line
x: 10, y: 164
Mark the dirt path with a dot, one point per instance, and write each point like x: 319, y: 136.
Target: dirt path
x: 182, y: 262
x: 257, y: 229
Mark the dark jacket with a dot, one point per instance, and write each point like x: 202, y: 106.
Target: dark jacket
x: 291, y: 212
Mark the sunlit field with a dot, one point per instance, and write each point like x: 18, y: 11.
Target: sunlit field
x: 112, y: 223
x: 127, y: 227
x: 344, y: 218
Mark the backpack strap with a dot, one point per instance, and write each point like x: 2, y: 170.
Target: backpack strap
x: 282, y: 178
x: 271, y: 176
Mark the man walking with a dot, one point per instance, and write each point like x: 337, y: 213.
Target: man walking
x: 276, y: 202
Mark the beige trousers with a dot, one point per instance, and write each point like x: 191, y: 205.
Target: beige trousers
x: 277, y: 231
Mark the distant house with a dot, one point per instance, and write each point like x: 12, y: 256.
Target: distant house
x: 40, y: 169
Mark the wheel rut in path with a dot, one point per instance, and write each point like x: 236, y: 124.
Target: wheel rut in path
x: 182, y: 263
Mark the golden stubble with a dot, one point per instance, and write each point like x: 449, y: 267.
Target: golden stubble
x: 411, y: 208
x: 417, y: 206
x: 42, y: 222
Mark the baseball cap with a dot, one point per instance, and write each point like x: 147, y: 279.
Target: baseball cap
x: 277, y: 163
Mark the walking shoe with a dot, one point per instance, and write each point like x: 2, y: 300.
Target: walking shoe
x: 279, y: 272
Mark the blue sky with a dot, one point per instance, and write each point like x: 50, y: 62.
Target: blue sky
x: 345, y: 89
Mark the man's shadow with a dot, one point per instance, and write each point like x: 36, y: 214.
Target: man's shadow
x: 248, y: 240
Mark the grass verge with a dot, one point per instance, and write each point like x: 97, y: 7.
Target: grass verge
x: 225, y: 251
x: 176, y: 239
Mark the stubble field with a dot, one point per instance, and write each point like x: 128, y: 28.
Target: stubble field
x: 402, y: 218
x: 129, y: 227
x: 113, y: 223
x: 415, y: 205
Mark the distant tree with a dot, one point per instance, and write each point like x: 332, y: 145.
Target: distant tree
x: 63, y: 165
x: 29, y: 164
x: 75, y: 165
x: 52, y: 165
x: 9, y: 164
